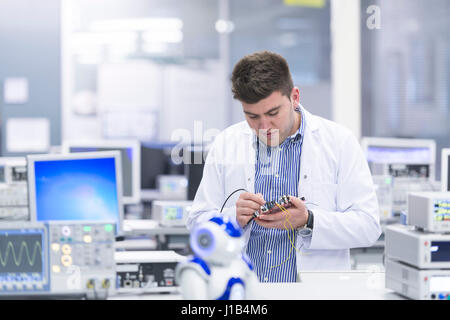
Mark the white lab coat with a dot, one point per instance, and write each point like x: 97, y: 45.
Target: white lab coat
x: 334, y: 178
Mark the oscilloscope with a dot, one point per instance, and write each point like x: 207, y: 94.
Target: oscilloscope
x: 57, y: 258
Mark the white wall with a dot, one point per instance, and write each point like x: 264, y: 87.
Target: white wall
x: 346, y: 64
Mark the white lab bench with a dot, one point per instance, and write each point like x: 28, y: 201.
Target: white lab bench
x: 317, y: 285
x: 165, y: 237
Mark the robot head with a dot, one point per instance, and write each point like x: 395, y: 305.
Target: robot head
x: 217, y: 241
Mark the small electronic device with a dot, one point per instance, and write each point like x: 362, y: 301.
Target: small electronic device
x: 420, y: 249
x: 171, y: 213
x: 13, y: 170
x: 272, y: 206
x: 445, y: 169
x: 409, y: 162
x: 418, y: 284
x: 403, y: 186
x: 84, y: 186
x: 172, y: 187
x: 429, y: 211
x: 146, y: 271
x: 130, y: 152
x: 13, y: 189
x: 73, y: 259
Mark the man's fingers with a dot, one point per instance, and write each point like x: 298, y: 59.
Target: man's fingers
x: 246, y: 211
x: 273, y: 216
x: 244, y: 220
x: 296, y: 202
x: 248, y: 204
x: 258, y: 198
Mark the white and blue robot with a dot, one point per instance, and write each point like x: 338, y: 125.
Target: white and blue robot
x: 218, y: 270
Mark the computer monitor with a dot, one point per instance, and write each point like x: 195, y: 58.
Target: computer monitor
x: 445, y: 169
x: 156, y: 160
x: 415, y: 158
x: 130, y: 151
x: 76, y: 186
x: 194, y: 160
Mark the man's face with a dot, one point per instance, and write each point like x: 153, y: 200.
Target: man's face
x: 274, y: 118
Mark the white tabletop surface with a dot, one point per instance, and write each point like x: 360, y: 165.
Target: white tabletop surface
x: 151, y: 227
x: 350, y: 285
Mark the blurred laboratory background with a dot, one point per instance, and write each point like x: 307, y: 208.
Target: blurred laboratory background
x: 151, y: 79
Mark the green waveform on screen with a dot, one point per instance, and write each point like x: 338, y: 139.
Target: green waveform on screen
x: 23, y: 251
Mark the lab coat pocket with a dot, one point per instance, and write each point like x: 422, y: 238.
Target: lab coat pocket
x: 323, y: 196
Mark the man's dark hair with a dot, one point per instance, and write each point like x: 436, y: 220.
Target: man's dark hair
x: 258, y: 75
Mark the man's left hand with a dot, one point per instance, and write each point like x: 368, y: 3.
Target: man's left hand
x: 295, y: 217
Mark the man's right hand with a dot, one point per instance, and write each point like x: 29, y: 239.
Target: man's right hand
x: 246, y: 205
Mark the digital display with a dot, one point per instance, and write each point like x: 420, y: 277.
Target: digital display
x: 173, y: 213
x: 442, y: 210
x: 76, y: 189
x: 399, y: 155
x: 21, y: 252
x: 440, y: 251
x: 127, y: 165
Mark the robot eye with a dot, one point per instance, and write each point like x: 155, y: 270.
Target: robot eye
x: 204, y: 240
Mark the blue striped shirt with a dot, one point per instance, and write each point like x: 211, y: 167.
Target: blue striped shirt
x: 277, y: 173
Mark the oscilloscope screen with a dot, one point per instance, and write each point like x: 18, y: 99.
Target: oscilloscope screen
x: 21, y: 252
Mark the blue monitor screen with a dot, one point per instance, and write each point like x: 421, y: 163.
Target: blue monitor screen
x: 76, y: 189
x: 127, y: 165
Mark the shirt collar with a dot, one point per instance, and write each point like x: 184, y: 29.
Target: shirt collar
x: 298, y: 135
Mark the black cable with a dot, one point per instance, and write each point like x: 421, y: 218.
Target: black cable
x: 251, y: 219
x: 230, y: 196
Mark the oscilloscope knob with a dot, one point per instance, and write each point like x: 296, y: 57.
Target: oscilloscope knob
x: 65, y: 230
x: 66, y: 249
x: 66, y: 260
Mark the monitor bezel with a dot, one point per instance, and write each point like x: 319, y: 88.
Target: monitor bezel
x: 135, y: 146
x: 31, y: 159
x: 445, y: 154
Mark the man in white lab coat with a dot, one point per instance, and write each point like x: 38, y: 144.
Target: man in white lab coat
x: 281, y: 149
